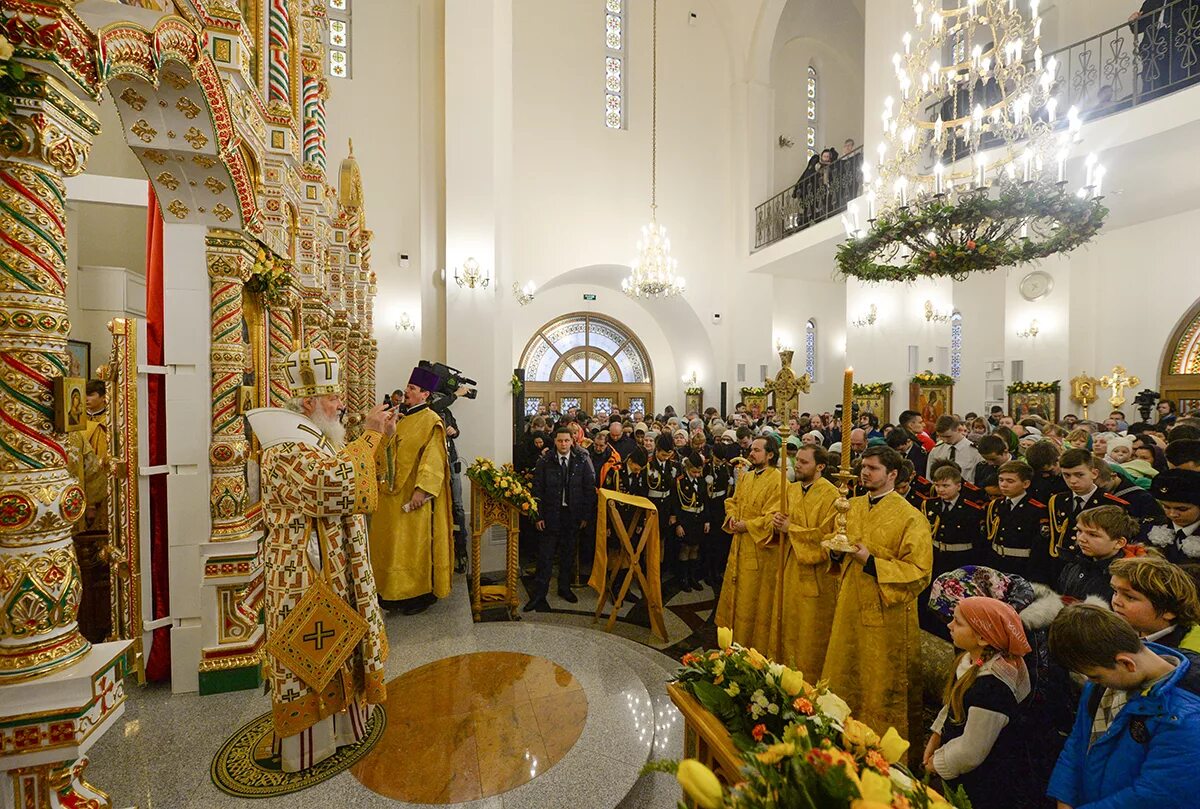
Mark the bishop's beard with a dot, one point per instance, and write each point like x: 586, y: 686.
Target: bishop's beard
x: 332, y: 428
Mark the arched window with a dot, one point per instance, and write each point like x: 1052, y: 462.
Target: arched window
x: 810, y: 349
x: 956, y: 344
x: 614, y: 64
x: 812, y: 111
x: 587, y: 361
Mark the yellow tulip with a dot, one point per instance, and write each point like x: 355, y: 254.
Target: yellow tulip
x: 724, y: 637
x: 756, y: 659
x: 892, y: 746
x: 700, y: 784
x: 875, y: 788
x: 792, y: 682
x: 858, y: 735
x: 777, y: 752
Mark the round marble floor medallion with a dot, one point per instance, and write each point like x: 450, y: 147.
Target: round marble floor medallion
x: 473, y: 726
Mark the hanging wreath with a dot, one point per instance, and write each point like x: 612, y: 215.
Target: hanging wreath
x: 928, y: 378
x: 979, y: 232
x: 873, y: 389
x: 1034, y: 387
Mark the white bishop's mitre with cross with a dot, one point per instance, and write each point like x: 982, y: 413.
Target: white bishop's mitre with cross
x: 310, y: 372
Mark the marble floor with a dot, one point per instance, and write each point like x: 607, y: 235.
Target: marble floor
x: 590, y: 707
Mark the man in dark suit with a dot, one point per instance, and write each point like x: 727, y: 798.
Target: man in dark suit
x: 564, y: 486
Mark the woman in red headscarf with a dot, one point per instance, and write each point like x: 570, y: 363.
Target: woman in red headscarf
x: 975, y: 742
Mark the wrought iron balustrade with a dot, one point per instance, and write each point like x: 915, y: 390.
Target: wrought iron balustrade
x: 817, y: 196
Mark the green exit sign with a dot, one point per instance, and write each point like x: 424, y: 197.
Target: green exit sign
x: 588, y: 296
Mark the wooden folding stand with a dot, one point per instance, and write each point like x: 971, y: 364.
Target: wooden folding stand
x: 487, y: 511
x: 603, y: 580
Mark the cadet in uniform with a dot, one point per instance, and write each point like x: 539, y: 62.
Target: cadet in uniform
x: 955, y: 523
x: 720, y: 478
x: 660, y: 482
x: 1013, y: 527
x: 690, y: 518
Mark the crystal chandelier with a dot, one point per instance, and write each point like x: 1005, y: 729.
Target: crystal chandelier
x: 971, y: 173
x: 654, y: 270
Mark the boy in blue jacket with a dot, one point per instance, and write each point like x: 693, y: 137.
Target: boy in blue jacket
x: 1136, y: 735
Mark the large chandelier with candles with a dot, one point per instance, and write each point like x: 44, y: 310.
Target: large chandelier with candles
x: 971, y: 171
x: 654, y: 270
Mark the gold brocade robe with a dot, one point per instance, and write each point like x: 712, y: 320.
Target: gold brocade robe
x: 748, y: 591
x: 874, y: 649
x: 807, y: 589
x: 314, y: 501
x: 412, y: 552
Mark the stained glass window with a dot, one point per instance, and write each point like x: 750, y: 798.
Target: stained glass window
x: 637, y: 405
x: 810, y: 349
x: 601, y: 404
x: 956, y: 344
x: 568, y: 402
x: 614, y: 64
x: 812, y: 112
x: 532, y: 403
x: 339, y: 38
x: 585, y: 348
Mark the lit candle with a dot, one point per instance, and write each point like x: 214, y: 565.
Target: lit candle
x: 936, y: 21
x: 939, y: 176
x: 902, y: 191
x: 976, y: 54
x: 977, y: 116
x: 1089, y: 166
x: 847, y: 416
x: 1027, y: 162
x: 920, y: 10
x: 980, y: 171
x: 1062, y: 165
x: 1099, y: 178
x: 871, y: 205
x: 1037, y: 57
x: 937, y: 129
x: 907, y: 39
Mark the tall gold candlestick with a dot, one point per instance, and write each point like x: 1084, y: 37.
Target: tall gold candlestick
x: 847, y: 416
x: 839, y: 542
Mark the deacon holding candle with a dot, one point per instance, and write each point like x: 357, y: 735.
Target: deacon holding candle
x: 886, y: 552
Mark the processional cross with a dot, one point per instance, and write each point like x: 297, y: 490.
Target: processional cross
x: 1119, y: 381
x: 786, y: 386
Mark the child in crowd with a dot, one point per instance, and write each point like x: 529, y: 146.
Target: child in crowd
x: 975, y: 742
x: 1159, y: 600
x: 1138, y: 726
x: 1102, y: 535
x: 689, y: 516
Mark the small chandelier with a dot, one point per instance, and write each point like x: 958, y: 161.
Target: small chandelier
x: 524, y: 294
x: 934, y: 315
x: 971, y: 170
x: 654, y: 270
x: 405, y: 322
x: 471, y: 275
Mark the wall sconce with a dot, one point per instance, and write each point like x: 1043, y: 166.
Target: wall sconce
x: 783, y: 343
x: 871, y: 316
x: 690, y: 379
x: 785, y: 142
x: 524, y: 294
x: 471, y: 275
x: 935, y: 315
x: 405, y: 323
x: 1030, y: 331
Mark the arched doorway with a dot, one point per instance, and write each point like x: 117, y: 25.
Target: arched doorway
x: 1180, y: 378
x: 589, y: 361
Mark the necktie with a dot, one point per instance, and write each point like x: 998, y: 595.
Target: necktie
x: 1079, y: 501
x: 1008, y: 506
x: 953, y: 450
x: 1180, y: 536
x: 563, y: 464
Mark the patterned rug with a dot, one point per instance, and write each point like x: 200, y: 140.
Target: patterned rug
x: 246, y: 768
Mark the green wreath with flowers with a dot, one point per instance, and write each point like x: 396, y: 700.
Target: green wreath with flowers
x: 11, y: 73
x: 270, y: 278
x: 930, y: 379
x: 1034, y: 387
x: 873, y: 389
x: 694, y: 390
x: 754, y: 391
x: 978, y: 232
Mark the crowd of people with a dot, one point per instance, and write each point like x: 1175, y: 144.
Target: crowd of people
x: 1051, y: 555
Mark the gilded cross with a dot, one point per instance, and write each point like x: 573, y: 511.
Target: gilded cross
x: 786, y: 385
x: 319, y: 635
x: 1119, y: 381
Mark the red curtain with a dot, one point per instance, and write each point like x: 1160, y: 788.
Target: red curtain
x: 158, y: 665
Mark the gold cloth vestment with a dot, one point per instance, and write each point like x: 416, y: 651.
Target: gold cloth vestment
x: 748, y: 590
x: 807, y: 590
x: 873, y: 660
x: 413, y: 551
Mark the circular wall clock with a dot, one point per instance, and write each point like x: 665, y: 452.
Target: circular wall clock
x: 1036, y: 285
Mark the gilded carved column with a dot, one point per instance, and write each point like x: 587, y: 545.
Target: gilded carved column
x: 281, y: 331
x: 314, y: 320
x: 48, y: 137
x: 230, y: 259
x: 279, y: 56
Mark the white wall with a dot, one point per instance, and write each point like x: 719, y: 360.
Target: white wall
x: 795, y: 302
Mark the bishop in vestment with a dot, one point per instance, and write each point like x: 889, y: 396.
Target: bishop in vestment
x: 807, y: 587
x: 874, y: 648
x: 326, y: 644
x: 748, y: 590
x: 412, y: 536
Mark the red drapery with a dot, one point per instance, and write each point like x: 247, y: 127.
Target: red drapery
x: 158, y: 665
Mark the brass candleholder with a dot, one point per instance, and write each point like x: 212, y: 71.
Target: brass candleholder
x: 839, y: 542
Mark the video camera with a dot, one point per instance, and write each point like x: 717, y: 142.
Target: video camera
x: 450, y: 379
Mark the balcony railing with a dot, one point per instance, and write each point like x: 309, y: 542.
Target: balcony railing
x: 817, y: 196
x: 1126, y: 66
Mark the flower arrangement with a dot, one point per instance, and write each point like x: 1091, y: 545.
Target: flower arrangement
x: 930, y: 378
x: 516, y: 385
x: 1034, y: 387
x: 11, y: 72
x: 873, y: 389
x: 504, y: 483
x: 977, y: 233
x: 802, y: 746
x: 270, y: 279
x: 694, y: 390
x: 750, y: 390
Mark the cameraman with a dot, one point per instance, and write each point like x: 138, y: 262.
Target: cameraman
x: 441, y: 405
